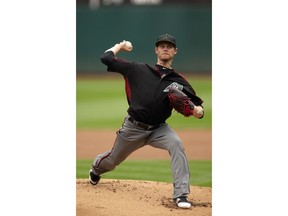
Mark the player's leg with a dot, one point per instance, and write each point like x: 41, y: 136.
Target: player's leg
x: 128, y: 140
x: 107, y: 161
x: 166, y: 138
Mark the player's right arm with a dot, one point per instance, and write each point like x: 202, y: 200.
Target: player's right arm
x: 118, y: 47
x: 116, y: 64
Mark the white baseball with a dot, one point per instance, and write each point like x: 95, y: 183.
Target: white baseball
x: 128, y: 45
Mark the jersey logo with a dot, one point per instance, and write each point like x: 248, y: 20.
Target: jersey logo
x: 175, y: 85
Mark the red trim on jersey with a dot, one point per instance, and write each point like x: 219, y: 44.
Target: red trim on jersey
x: 120, y: 59
x: 127, y: 89
x: 157, y: 70
x: 183, y: 77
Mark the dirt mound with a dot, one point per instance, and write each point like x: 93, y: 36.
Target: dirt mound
x: 137, y: 198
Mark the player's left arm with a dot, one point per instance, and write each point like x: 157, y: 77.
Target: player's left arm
x: 198, y: 111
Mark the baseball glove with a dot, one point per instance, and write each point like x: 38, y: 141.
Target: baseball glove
x: 180, y: 101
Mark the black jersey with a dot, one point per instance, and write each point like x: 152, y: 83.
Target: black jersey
x: 146, y: 88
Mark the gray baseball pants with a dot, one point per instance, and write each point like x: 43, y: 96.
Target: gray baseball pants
x: 130, y: 138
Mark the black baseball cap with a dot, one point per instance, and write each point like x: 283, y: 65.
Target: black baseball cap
x: 166, y: 38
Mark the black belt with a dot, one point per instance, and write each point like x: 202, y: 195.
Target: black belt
x: 142, y: 125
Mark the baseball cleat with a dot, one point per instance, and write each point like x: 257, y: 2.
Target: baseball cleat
x: 93, y: 178
x: 182, y: 202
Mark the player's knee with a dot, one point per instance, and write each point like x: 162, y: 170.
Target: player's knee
x: 175, y: 145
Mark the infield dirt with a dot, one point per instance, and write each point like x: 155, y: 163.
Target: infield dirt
x: 137, y: 198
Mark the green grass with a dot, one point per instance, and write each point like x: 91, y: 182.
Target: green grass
x: 101, y: 103
x: 152, y: 170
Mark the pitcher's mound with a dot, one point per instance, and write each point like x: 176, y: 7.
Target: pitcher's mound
x: 137, y: 198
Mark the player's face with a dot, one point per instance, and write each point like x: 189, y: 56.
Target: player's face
x: 165, y: 51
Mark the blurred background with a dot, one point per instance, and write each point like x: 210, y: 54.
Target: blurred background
x: 102, y: 23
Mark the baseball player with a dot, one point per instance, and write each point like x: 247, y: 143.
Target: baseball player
x: 147, y: 88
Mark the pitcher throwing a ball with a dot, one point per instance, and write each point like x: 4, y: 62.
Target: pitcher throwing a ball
x: 152, y: 92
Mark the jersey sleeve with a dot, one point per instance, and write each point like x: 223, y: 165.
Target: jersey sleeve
x: 115, y: 64
x: 190, y: 92
x: 192, y: 95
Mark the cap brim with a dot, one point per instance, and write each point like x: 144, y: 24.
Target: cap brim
x: 165, y: 41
